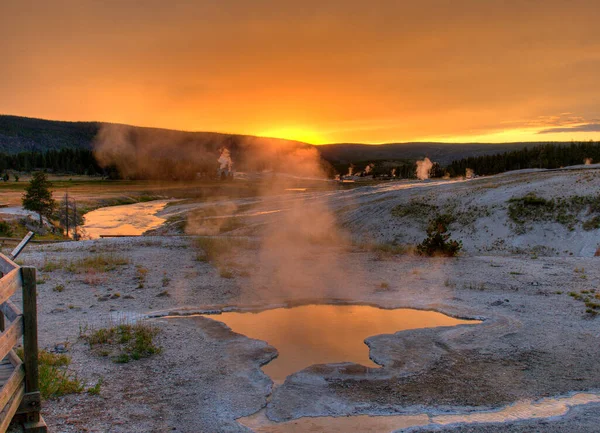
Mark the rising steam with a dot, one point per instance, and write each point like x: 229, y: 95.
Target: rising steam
x: 148, y: 153
x: 423, y: 169
x: 225, y: 162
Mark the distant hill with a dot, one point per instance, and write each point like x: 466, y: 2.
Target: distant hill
x: 19, y: 134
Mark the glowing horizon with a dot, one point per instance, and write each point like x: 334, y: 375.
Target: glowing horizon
x: 396, y: 71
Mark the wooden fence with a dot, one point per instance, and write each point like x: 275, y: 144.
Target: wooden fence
x: 19, y: 393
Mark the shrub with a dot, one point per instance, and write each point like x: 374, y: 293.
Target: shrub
x: 5, y: 229
x: 438, y: 242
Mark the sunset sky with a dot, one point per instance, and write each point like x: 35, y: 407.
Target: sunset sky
x: 316, y: 71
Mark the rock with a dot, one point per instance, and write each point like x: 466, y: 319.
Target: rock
x: 60, y: 348
x: 58, y: 310
x: 497, y: 303
x: 128, y: 297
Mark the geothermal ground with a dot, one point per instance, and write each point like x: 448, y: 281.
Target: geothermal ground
x: 535, y: 340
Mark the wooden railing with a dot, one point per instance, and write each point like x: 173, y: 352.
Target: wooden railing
x: 19, y: 395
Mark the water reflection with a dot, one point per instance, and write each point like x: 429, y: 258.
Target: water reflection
x: 126, y: 220
x: 323, y: 334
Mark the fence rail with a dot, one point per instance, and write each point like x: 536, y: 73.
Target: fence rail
x: 19, y: 393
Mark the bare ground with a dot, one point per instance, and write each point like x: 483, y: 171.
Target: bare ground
x: 535, y: 340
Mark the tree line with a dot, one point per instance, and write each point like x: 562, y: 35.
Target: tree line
x: 550, y: 155
x: 72, y: 161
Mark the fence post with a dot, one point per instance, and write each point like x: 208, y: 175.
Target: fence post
x: 30, y: 407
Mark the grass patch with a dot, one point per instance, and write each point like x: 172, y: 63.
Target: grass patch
x: 592, y: 224
x: 124, y: 342
x: 51, y: 266
x: 416, y: 209
x: 590, y: 299
x: 97, y: 263
x: 55, y: 378
x: 95, y: 390
x: 211, y: 248
x: 140, y: 276
x: 566, y: 211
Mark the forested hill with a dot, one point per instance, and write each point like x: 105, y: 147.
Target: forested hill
x: 24, y: 134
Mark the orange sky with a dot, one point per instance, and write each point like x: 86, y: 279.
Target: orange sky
x: 317, y: 71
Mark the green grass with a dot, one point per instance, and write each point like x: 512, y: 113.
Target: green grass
x: 97, y: 263
x: 590, y: 299
x: 125, y: 342
x: 55, y: 378
x: 592, y: 224
x: 566, y: 211
x: 95, y: 390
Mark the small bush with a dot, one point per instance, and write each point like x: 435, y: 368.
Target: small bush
x: 438, y: 242
x: 5, y: 229
x: 59, y: 288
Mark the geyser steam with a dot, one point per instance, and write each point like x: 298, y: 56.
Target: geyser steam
x: 423, y: 169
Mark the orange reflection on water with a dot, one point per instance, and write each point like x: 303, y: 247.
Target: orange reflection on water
x: 126, y: 220
x: 322, y: 334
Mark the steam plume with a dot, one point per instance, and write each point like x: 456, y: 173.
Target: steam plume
x: 225, y: 162
x: 423, y: 169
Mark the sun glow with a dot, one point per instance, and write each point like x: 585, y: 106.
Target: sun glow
x: 297, y: 133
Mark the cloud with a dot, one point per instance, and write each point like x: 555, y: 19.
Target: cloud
x: 588, y: 127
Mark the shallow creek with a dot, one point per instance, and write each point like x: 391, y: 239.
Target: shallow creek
x: 126, y: 220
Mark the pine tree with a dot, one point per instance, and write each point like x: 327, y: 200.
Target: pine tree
x: 38, y: 196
